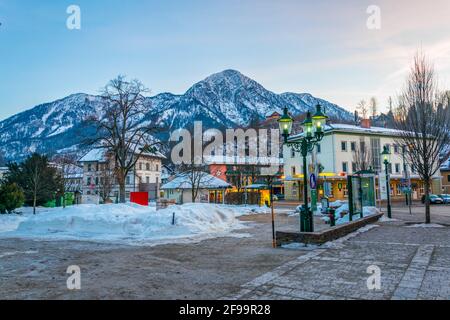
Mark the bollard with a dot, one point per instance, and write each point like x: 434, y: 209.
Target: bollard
x: 173, y: 219
x: 332, y: 217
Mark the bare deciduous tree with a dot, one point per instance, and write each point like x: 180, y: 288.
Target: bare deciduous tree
x: 363, y: 109
x: 66, y: 165
x: 196, y: 176
x: 107, y: 177
x: 362, y: 157
x: 423, y: 117
x: 373, y: 105
x: 120, y: 130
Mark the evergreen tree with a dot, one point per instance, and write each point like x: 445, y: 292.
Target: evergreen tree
x: 11, y: 198
x: 38, y: 180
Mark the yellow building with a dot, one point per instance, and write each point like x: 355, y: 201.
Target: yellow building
x: 336, y: 154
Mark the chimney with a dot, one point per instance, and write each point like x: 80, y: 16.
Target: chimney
x: 365, y: 123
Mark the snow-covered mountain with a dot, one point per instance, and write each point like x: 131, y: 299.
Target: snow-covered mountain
x: 225, y: 99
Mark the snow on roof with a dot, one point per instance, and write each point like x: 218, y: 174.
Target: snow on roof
x: 235, y: 160
x: 353, y: 128
x: 446, y: 165
x: 98, y: 154
x: 208, y: 181
x: 257, y: 186
x: 94, y: 155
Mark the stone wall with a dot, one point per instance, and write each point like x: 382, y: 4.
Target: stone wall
x: 325, y: 235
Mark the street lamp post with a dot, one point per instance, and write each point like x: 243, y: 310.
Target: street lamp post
x: 386, y: 155
x: 313, y: 133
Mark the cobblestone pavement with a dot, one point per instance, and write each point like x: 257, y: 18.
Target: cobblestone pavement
x: 414, y: 264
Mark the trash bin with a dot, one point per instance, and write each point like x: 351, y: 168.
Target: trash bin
x: 305, y: 223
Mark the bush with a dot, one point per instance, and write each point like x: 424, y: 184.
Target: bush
x: 11, y: 198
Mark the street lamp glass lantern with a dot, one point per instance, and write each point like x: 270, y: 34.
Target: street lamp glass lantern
x: 285, y: 123
x: 308, y: 125
x: 319, y: 119
x: 386, y: 155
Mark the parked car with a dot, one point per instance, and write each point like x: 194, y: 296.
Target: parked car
x: 445, y: 197
x: 434, y: 199
x: 280, y: 196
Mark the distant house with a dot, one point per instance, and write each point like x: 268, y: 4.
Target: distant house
x: 244, y: 171
x: 144, y: 177
x: 211, y: 189
x: 273, y: 116
x: 166, y: 174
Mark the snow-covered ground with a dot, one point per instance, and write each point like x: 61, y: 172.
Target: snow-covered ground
x: 424, y: 225
x: 127, y: 223
x: 342, y: 213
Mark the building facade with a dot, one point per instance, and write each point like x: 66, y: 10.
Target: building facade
x: 144, y: 177
x: 445, y: 171
x: 210, y: 189
x: 339, y: 155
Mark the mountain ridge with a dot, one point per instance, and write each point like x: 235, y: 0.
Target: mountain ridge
x: 224, y: 99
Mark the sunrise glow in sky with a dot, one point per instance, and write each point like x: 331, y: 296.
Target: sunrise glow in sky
x: 321, y: 47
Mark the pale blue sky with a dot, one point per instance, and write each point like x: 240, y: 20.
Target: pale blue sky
x: 322, y: 47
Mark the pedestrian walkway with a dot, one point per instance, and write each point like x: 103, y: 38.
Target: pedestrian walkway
x: 414, y: 264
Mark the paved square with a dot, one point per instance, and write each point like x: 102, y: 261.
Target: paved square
x: 414, y: 264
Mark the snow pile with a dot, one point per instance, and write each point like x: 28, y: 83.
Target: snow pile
x: 342, y: 214
x: 424, y: 225
x: 367, y: 211
x: 126, y: 223
x: 386, y: 219
x: 10, y: 222
x: 318, y: 212
x: 338, y: 203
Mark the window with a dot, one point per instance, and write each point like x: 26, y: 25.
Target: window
x: 390, y: 168
x: 344, y: 166
x: 354, y: 167
x: 147, y: 166
x: 395, y: 148
x: 157, y: 180
x: 128, y: 180
x: 376, y: 153
x: 293, y: 171
x: 388, y: 147
x: 448, y: 178
x: 292, y: 153
x: 344, y: 146
x: 96, y: 181
x: 397, y: 168
x: 353, y: 146
x: 127, y: 194
x: 157, y: 167
x: 140, y: 165
x: 88, y: 182
x: 319, y: 148
x: 89, y: 167
x: 147, y: 179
